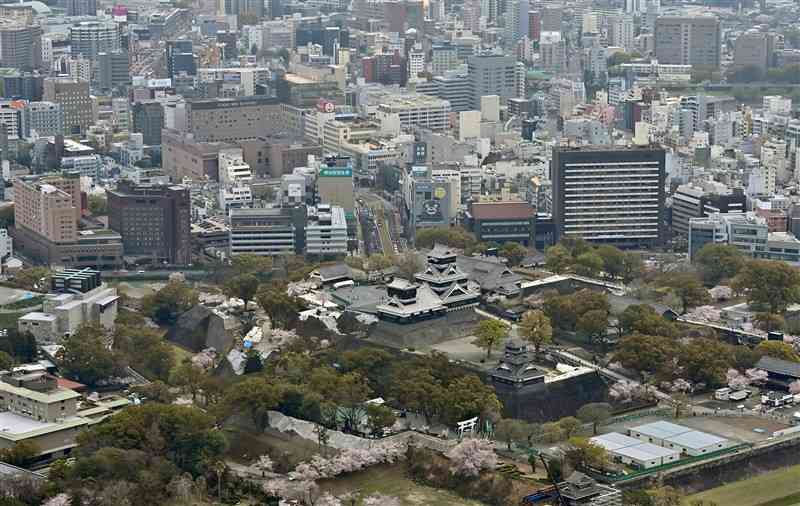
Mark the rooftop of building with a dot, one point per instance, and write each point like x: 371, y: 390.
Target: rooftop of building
x: 502, y: 210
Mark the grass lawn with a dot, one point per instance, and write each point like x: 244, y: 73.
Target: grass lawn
x: 775, y: 488
x: 391, y: 481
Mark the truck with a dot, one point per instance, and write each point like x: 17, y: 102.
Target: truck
x: 722, y: 394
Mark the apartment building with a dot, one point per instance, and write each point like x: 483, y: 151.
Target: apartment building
x: 688, y: 40
x: 609, y: 195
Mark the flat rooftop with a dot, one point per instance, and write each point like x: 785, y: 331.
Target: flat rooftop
x: 661, y: 429
x: 696, y: 440
x: 12, y: 423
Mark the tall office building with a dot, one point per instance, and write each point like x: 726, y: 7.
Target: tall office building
x: 552, y: 19
x: 688, y: 41
x: 154, y: 221
x: 73, y: 96
x: 89, y: 38
x: 609, y: 195
x: 81, y: 7
x: 148, y: 120
x: 245, y: 8
x: 180, y: 58
x: 20, y: 45
x: 492, y: 75
x: 113, y: 70
x: 752, y: 49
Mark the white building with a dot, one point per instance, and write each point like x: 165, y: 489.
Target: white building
x: 326, y: 230
x: 415, y: 110
x: 416, y: 61
x: 6, y: 244
x: 235, y: 176
x: 635, y: 453
x: 10, y: 117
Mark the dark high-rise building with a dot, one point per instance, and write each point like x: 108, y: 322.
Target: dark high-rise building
x: 180, y: 58
x: 81, y: 7
x: 148, y: 119
x: 688, y: 41
x: 113, y: 70
x: 609, y: 195
x: 89, y: 38
x: 154, y: 221
x: 21, y: 85
x: 245, y: 8
x: 20, y: 45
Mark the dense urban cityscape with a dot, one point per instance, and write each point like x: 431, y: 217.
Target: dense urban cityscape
x: 400, y: 252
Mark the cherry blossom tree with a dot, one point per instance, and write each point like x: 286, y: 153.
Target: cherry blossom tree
x: 736, y: 380
x: 263, y: 465
x: 757, y: 376
x: 347, y: 461
x: 794, y: 387
x: 472, y: 456
x: 381, y: 500
x: 327, y: 499
x: 59, y: 500
x: 626, y: 391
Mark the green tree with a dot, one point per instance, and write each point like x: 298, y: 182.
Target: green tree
x: 157, y: 391
x: 557, y: 259
x: 255, y: 396
x: 98, y: 205
x: 20, y: 345
x: 144, y: 350
x: 281, y: 307
x: 718, y: 262
x: 454, y: 237
x: 613, y: 260
x: 643, y: 319
x: 379, y: 262
x: 594, y: 413
x: 769, y: 322
x: 379, y: 418
x: 570, y: 425
x: 778, y: 349
x: 489, y: 333
x: 632, y: 266
x: 408, y: 264
x: 22, y: 454
x: 646, y: 354
x: 769, y: 284
x: 243, y: 286
x: 188, y: 378
x: 467, y: 397
x: 588, y: 264
x: 514, y: 252
x: 706, y: 361
x: 34, y: 279
x: 747, y: 74
x: 185, y: 435
x: 6, y: 361
x: 535, y: 328
x: 593, y: 324
x: 167, y: 304
x: 688, y: 289
x: 249, y: 263
x: 86, y: 356
x: 510, y: 431
x: 583, y: 454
